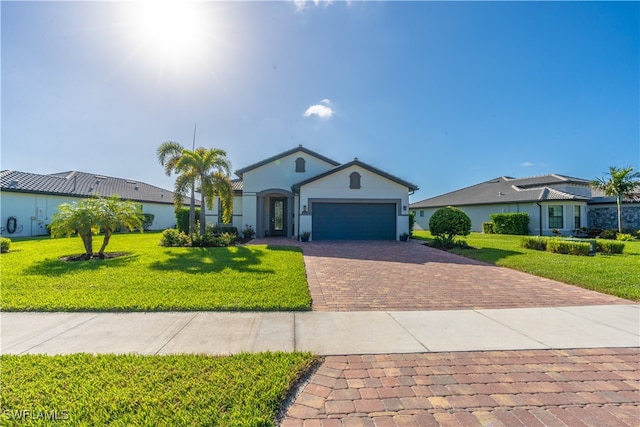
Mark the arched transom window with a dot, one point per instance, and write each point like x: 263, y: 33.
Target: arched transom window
x: 300, y: 164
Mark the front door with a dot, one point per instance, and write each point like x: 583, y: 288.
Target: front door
x: 278, y: 217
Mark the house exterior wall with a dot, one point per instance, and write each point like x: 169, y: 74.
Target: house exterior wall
x: 35, y: 211
x: 605, y: 216
x: 482, y: 213
x: 335, y: 187
x: 275, y: 178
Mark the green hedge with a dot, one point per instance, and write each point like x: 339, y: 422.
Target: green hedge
x: 610, y: 246
x: 5, y: 244
x: 535, y: 243
x: 561, y: 246
x: 182, y: 219
x: 510, y: 223
x: 487, y: 228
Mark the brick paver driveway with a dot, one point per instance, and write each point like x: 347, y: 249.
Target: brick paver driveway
x: 583, y: 387
x: 351, y: 276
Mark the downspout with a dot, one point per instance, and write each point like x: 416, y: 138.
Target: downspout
x: 539, y: 218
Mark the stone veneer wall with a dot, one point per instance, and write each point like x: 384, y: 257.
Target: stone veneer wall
x: 607, y: 216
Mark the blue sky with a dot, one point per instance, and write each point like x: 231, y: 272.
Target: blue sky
x: 441, y: 94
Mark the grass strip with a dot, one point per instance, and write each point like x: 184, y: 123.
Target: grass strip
x: 125, y: 390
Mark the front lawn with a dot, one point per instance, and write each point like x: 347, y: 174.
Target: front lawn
x: 617, y: 275
x: 151, y: 277
x: 123, y: 390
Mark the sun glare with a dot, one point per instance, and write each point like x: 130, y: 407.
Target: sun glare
x: 172, y: 31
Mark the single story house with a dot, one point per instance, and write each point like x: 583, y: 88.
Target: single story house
x: 552, y: 201
x: 300, y: 191
x: 29, y: 200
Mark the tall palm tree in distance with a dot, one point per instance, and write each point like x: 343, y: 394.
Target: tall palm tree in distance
x: 205, y: 169
x: 620, y: 183
x: 169, y: 154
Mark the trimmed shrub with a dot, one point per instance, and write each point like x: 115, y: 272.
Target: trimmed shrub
x: 5, y: 243
x: 174, y: 238
x: 412, y: 220
x: 182, y: 219
x: 561, y: 246
x: 217, y: 230
x: 536, y: 243
x: 487, y: 228
x: 147, y: 221
x: 208, y: 240
x: 449, y: 222
x: 442, y: 243
x: 511, y: 223
x: 610, y: 246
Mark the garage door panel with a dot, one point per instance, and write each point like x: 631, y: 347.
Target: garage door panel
x: 354, y: 221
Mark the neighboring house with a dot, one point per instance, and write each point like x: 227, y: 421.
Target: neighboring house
x: 552, y: 201
x: 32, y: 198
x: 300, y: 190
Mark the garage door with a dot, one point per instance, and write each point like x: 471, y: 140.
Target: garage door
x: 354, y: 221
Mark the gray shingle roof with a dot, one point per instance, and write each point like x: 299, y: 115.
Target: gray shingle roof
x: 82, y: 184
x: 508, y: 190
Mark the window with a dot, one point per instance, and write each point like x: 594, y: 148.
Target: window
x: 576, y: 217
x: 300, y: 164
x: 555, y: 217
x: 221, y: 214
x: 354, y: 180
x: 422, y: 214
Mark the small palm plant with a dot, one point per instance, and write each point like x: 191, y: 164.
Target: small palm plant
x: 88, y: 216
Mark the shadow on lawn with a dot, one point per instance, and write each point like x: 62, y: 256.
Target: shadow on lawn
x: 211, y: 260
x: 57, y: 267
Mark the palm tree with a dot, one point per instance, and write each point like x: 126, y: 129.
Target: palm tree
x: 88, y: 216
x: 207, y: 169
x: 621, y: 182
x: 169, y: 154
x: 210, y: 168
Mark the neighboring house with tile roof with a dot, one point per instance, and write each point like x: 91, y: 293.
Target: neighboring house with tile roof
x: 33, y: 198
x: 552, y: 202
x: 300, y: 190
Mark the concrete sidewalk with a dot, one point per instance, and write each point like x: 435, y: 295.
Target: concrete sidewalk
x: 324, y: 333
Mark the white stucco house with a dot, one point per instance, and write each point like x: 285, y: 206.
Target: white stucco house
x: 300, y: 190
x: 552, y: 201
x: 28, y: 200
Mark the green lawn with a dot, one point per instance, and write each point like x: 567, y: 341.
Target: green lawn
x: 151, y: 277
x: 124, y: 390
x: 617, y: 275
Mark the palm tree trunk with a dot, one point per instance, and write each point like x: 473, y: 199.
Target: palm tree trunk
x: 192, y: 209
x: 619, y: 213
x: 87, y: 240
x: 107, y: 236
x: 203, y: 216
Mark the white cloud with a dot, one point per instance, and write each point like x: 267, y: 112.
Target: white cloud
x: 322, y: 110
x: 527, y: 164
x: 302, y: 4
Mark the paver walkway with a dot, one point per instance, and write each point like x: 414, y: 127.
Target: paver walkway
x: 387, y: 275
x: 592, y: 387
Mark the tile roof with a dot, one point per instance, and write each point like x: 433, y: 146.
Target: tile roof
x: 509, y: 190
x: 83, y: 184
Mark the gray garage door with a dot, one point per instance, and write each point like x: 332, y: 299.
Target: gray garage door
x: 354, y: 221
